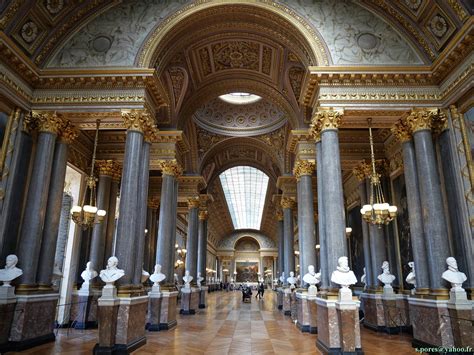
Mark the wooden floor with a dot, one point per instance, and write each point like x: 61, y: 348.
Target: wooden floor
x: 228, y: 326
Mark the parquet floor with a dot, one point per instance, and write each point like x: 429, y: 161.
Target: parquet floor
x: 229, y: 326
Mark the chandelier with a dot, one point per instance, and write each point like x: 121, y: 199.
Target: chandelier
x: 378, y: 212
x: 88, y: 215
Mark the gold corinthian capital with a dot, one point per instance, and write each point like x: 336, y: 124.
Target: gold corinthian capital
x: 303, y: 167
x: 287, y: 202
x: 48, y: 122
x: 170, y: 167
x: 327, y: 119
x: 136, y: 120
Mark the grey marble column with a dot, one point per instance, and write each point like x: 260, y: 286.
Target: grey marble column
x: 148, y: 239
x: 98, y: 240
x: 142, y: 207
x: 415, y: 217
x: 63, y: 232
x: 127, y: 239
x: 192, y: 239
x: 306, y: 236
x: 53, y: 214
x: 323, y: 256
x: 37, y: 198
x: 202, y: 244
x: 434, y: 222
x: 378, y: 251
x: 333, y: 200
x: 110, y: 232
x: 281, y: 243
x: 288, y: 238
x: 153, y: 236
x: 167, y: 222
x: 369, y: 275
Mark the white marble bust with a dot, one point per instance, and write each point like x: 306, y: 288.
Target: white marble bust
x: 156, y: 278
x: 145, y: 275
x: 282, y: 277
x: 292, y: 280
x: 111, y: 273
x: 386, y: 277
x: 363, y: 278
x: 87, y: 275
x: 411, y: 278
x: 343, y: 275
x: 10, y: 271
x: 453, y: 275
x: 187, y: 279
x: 199, y: 279
x: 311, y: 279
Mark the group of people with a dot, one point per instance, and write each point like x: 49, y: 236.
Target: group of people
x: 247, y: 291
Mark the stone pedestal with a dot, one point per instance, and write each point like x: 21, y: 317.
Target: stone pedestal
x: 279, y: 298
x: 462, y: 318
x: 374, y: 317
x: 431, y: 323
x: 168, y: 310
x: 33, y: 321
x: 202, y: 296
x: 7, y: 310
x: 302, y: 311
x: 338, y: 327
x: 84, y: 309
x: 293, y: 307
x: 287, y: 302
x: 154, y: 310
x: 131, y: 320
x: 186, y: 307
x: 313, y: 314
x: 107, y: 321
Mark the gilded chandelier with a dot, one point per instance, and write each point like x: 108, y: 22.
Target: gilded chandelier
x: 378, y: 212
x: 88, y: 215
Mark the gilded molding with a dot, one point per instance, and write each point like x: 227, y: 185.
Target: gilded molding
x: 328, y: 119
x: 287, y: 202
x: 48, y: 122
x: 303, y: 167
x: 458, y: 9
x: 170, y: 167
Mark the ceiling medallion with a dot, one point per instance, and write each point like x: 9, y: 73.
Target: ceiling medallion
x: 413, y: 4
x: 29, y: 32
x: 54, y: 6
x: 368, y: 41
x: 439, y: 26
x: 101, y: 43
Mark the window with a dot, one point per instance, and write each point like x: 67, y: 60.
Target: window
x: 240, y: 98
x: 245, y: 189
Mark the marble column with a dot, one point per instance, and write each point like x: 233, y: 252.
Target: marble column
x: 333, y: 200
x: 98, y: 239
x: 369, y: 274
x: 192, y: 239
x: 54, y: 205
x: 434, y: 222
x: 111, y: 227
x: 49, y: 125
x: 153, y: 205
x: 166, y: 227
x: 378, y: 251
x: 307, y: 239
x: 202, y: 244
x: 281, y: 247
x: 323, y: 257
x: 127, y: 239
x: 142, y: 204
x: 415, y: 212
x: 287, y: 205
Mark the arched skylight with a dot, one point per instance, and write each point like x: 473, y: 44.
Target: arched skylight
x: 240, y: 98
x: 245, y: 189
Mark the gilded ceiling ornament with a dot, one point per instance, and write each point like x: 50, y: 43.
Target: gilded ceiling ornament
x: 303, y: 167
x: 48, y: 121
x: 328, y: 119
x: 29, y: 31
x: 106, y: 167
x: 458, y: 9
x: 136, y: 120
x: 287, y: 202
x: 236, y: 55
x: 439, y: 26
x: 154, y: 202
x: 203, y: 215
x: 177, y: 82
x: 401, y: 131
x: 193, y: 202
x: 170, y: 167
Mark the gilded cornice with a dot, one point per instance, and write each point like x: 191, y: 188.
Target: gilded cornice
x: 170, y: 167
x: 303, y: 167
x: 296, y: 136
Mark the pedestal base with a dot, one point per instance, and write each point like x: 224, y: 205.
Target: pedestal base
x: 154, y: 311
x: 202, y: 296
x: 338, y: 327
x: 374, y: 317
x: 186, y: 300
x: 84, y: 309
x: 168, y: 310
x: 287, y: 302
x: 279, y: 298
x: 131, y: 320
x: 431, y: 323
x: 7, y: 310
x: 107, y: 320
x: 462, y: 318
x: 302, y: 312
x: 313, y: 315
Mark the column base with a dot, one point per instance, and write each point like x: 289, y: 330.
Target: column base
x: 431, y: 322
x: 168, y: 310
x: 28, y: 343
x: 154, y: 311
x: 33, y: 321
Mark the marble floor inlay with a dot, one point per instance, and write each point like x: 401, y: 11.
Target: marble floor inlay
x: 228, y: 326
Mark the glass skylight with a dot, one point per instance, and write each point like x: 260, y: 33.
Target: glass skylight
x: 240, y: 98
x: 245, y: 189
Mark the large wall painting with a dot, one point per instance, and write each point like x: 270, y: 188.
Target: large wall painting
x: 247, y: 271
